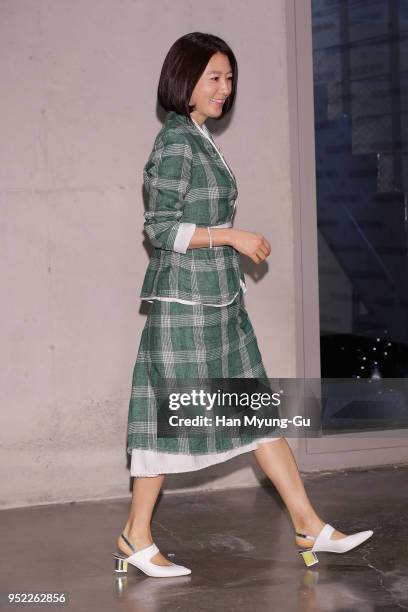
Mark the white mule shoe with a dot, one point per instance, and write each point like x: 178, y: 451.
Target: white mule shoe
x: 141, y: 560
x: 323, y: 543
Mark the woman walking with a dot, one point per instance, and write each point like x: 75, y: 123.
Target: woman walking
x: 197, y: 326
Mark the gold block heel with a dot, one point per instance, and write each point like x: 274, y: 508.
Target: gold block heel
x: 309, y: 557
x: 121, y: 565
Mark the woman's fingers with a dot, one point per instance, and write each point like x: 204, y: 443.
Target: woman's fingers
x: 254, y: 245
x: 262, y: 251
x: 258, y: 256
x: 266, y: 245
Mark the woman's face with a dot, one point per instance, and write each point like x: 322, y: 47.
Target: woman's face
x: 212, y: 88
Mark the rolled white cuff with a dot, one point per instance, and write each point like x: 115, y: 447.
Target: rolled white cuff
x: 183, y: 237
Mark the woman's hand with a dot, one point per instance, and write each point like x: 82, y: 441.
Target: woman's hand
x: 254, y: 245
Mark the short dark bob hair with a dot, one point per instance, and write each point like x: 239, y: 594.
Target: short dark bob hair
x: 183, y: 66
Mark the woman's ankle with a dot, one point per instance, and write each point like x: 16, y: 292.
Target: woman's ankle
x: 134, y: 531
x: 136, y: 542
x: 308, y: 524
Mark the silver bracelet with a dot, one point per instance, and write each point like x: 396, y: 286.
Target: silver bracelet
x: 209, y: 233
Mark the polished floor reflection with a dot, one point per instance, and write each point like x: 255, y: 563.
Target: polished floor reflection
x: 239, y: 544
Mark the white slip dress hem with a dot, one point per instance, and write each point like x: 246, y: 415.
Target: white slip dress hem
x: 149, y: 463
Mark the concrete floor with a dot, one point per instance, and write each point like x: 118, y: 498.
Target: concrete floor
x: 239, y: 544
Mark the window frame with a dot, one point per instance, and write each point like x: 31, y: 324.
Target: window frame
x: 334, y: 451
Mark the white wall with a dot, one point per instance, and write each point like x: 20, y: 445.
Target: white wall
x: 78, y: 121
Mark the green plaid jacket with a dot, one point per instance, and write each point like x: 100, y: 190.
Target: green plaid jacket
x: 188, y: 186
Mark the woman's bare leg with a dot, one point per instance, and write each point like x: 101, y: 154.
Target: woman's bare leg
x: 278, y: 462
x: 137, y: 529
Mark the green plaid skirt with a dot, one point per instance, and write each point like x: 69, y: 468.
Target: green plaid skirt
x: 182, y: 341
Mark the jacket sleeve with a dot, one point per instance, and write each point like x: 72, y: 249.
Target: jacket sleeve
x: 166, y: 178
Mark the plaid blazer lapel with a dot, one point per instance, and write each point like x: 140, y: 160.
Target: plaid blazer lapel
x: 191, y: 128
x: 213, y: 153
